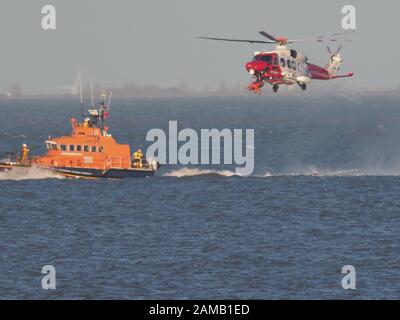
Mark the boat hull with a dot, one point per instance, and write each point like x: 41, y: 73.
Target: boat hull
x: 97, y: 174
x: 86, y: 173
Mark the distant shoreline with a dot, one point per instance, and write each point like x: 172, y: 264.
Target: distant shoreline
x: 294, y: 93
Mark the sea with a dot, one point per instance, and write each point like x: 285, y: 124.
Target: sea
x: 324, y: 194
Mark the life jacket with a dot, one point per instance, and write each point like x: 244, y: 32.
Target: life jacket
x: 137, y: 155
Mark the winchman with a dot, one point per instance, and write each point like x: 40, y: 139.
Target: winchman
x: 86, y: 123
x: 137, y: 158
x: 25, y: 153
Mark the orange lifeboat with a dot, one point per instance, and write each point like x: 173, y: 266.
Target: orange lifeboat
x: 89, y: 152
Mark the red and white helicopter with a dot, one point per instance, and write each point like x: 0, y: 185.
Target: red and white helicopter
x: 285, y: 66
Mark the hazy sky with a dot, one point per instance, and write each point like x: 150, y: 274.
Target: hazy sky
x: 154, y: 41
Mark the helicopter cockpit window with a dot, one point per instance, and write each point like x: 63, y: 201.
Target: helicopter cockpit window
x: 289, y: 64
x: 267, y: 59
x: 300, y: 67
x: 276, y: 61
x: 283, y: 62
x: 294, y: 65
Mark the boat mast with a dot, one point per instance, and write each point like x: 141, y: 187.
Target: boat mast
x: 91, y: 93
x: 80, y: 93
x: 109, y: 99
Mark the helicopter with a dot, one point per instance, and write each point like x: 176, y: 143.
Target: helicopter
x: 285, y: 66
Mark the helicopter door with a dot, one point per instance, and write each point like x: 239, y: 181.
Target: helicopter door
x: 290, y: 72
x: 301, y: 68
x: 275, y: 65
x: 283, y: 62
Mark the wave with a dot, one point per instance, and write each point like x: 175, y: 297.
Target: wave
x: 305, y: 172
x: 317, y: 172
x: 309, y: 171
x: 20, y: 136
x: 31, y: 173
x: 191, y: 172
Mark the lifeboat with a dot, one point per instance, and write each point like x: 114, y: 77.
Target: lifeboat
x: 88, y: 152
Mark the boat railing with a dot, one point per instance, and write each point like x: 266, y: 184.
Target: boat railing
x: 9, y: 157
x: 120, y: 163
x: 101, y: 164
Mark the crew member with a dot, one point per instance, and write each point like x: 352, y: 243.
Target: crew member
x: 137, y: 157
x: 25, y: 153
x: 86, y: 123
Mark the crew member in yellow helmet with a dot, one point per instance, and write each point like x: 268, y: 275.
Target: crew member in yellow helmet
x: 137, y: 158
x: 86, y: 123
x: 25, y: 153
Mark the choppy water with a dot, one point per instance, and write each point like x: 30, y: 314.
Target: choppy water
x: 325, y: 193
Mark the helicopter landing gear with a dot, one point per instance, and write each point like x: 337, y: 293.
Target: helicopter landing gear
x: 303, y: 86
x: 256, y: 86
x: 275, y: 88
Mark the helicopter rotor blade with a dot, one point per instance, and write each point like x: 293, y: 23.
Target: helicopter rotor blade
x: 323, y: 38
x: 338, y: 50
x: 341, y: 33
x: 268, y: 36
x: 235, y: 40
x: 283, y: 40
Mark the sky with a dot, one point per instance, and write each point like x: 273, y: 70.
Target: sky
x: 154, y: 41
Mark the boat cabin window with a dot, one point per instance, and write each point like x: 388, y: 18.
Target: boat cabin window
x: 63, y: 147
x: 93, y: 149
x: 283, y: 62
x: 78, y: 148
x: 86, y: 148
x: 101, y: 149
x: 71, y: 147
x: 54, y: 146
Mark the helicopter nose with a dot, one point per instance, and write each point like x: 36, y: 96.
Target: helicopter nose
x: 250, y: 68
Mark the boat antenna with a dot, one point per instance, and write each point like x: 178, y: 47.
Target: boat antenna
x: 109, y: 98
x: 80, y: 93
x: 91, y: 93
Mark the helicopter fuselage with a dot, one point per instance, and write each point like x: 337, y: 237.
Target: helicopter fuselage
x: 287, y: 66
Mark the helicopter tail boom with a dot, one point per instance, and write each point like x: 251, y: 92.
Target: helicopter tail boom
x: 350, y: 74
